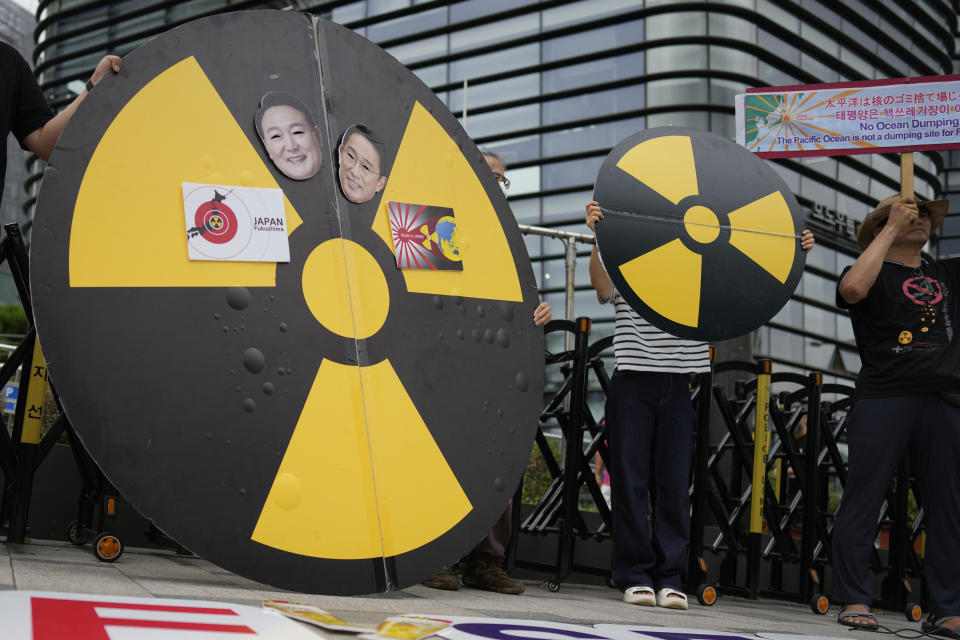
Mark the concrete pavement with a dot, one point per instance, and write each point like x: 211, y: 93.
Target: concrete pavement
x: 61, y: 567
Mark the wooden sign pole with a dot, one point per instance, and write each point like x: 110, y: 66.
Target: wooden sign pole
x: 906, y: 174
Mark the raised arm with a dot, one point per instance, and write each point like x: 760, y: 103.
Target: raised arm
x: 857, y: 281
x: 598, y: 275
x: 43, y: 140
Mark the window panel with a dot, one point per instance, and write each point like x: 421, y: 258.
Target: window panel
x: 782, y: 49
x: 723, y: 92
x: 820, y: 71
x: 676, y: 58
x: 490, y: 63
x: 597, y: 103
x: 525, y: 180
x: 819, y: 321
x: 481, y: 95
x: 432, y: 76
x: 673, y: 25
x: 851, y: 360
x: 692, y: 119
x: 567, y: 206
x: 577, y: 12
x: 559, y: 175
x: 516, y: 149
x: 406, y: 25
x: 505, y: 120
x: 728, y: 59
x: 844, y: 328
x: 419, y: 49
x: 779, y: 15
x: 817, y: 287
x: 818, y: 192
x: 676, y: 91
x: 774, y: 77
x: 527, y: 211
x: 595, y: 72
x: 727, y: 26
x: 856, y: 62
x: 599, y: 136
x: 583, y: 42
x: 785, y: 345
x: 377, y: 7
x: 791, y: 315
x: 824, y: 258
x: 470, y: 9
x: 494, y: 32
x: 818, y: 355
x: 723, y: 124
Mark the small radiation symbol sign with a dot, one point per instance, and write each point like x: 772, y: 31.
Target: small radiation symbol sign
x: 905, y: 337
x: 215, y: 221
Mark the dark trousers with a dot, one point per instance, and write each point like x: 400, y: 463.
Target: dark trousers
x: 496, y: 541
x: 650, y: 435
x: 879, y: 432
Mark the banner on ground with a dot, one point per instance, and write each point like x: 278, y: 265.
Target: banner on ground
x: 872, y: 116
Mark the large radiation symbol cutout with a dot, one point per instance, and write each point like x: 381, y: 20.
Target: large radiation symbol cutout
x: 333, y: 424
x: 699, y: 236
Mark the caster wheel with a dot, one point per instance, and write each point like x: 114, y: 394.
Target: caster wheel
x: 707, y: 595
x: 107, y: 547
x: 553, y: 585
x: 73, y: 533
x: 913, y: 612
x: 820, y: 604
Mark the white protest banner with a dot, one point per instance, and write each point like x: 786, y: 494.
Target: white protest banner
x: 872, y: 116
x: 37, y: 615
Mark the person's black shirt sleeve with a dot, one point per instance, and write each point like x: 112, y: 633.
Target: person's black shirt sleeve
x: 840, y: 301
x: 26, y: 109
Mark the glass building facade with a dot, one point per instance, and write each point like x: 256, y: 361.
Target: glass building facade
x: 552, y: 86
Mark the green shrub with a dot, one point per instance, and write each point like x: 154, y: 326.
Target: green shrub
x: 12, y: 319
x: 537, y: 478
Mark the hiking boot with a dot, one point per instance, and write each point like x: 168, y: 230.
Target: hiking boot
x: 482, y: 571
x: 446, y: 579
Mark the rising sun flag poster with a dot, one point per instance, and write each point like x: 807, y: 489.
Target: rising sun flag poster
x: 874, y: 116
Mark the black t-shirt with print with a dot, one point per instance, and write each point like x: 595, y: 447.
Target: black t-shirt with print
x: 23, y: 109
x: 906, y: 330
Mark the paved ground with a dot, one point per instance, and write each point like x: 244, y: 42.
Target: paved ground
x: 56, y: 566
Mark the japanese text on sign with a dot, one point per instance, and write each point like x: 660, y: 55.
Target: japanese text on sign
x: 849, y: 118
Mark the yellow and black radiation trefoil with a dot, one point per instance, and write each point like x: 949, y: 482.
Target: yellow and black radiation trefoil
x: 699, y: 236
x: 305, y: 424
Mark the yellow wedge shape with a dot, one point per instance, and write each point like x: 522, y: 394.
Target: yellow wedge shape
x: 430, y: 169
x: 340, y: 471
x: 664, y: 164
x: 128, y: 222
x: 750, y: 229
x: 667, y: 279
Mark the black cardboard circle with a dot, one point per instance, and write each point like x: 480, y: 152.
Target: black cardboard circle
x: 188, y: 397
x: 644, y: 219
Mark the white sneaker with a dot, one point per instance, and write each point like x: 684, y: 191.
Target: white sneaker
x: 641, y: 595
x: 671, y: 599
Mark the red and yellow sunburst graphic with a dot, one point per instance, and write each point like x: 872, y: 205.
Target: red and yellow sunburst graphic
x: 418, y: 242
x: 773, y: 116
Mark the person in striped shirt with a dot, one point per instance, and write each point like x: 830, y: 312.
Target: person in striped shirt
x: 649, y: 420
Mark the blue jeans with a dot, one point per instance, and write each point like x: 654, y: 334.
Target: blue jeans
x: 650, y: 435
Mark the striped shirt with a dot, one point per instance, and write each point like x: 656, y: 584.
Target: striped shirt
x: 640, y: 346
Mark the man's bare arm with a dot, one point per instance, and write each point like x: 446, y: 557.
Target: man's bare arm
x: 43, y: 140
x: 598, y: 275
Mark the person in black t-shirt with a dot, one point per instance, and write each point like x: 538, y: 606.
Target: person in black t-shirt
x: 24, y: 110
x: 904, y: 310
